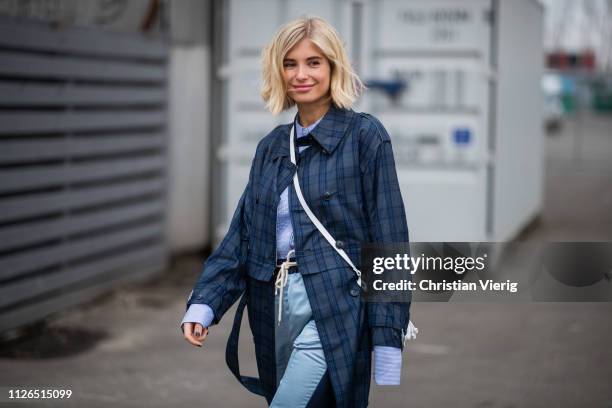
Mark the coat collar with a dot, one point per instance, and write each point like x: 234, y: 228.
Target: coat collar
x: 328, y: 133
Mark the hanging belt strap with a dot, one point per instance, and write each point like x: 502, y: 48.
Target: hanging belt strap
x: 231, y: 352
x: 411, y: 330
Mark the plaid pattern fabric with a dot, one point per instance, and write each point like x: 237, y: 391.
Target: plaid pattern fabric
x: 348, y: 178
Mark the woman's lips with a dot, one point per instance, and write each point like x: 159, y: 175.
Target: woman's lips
x: 302, y: 88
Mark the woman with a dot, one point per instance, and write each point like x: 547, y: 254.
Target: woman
x: 312, y: 330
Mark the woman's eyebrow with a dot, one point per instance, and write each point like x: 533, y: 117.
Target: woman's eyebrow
x: 315, y: 57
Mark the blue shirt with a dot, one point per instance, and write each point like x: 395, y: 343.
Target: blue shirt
x: 284, y: 229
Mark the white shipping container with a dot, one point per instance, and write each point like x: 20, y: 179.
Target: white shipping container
x: 466, y: 126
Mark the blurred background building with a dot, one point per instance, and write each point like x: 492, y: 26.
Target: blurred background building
x: 127, y: 128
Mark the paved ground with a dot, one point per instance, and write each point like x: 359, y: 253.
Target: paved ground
x: 125, y: 349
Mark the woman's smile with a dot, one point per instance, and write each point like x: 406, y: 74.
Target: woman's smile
x: 302, y: 88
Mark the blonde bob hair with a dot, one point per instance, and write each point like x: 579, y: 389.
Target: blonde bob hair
x: 345, y: 85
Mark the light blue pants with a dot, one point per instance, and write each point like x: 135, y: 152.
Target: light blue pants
x: 300, y: 363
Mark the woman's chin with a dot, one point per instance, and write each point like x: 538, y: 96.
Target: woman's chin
x: 301, y: 99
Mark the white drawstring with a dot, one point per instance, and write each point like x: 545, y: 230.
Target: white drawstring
x: 281, y: 281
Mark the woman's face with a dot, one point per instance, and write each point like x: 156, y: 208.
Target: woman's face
x: 307, y: 73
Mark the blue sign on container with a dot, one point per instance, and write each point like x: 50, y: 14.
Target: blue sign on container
x: 462, y: 136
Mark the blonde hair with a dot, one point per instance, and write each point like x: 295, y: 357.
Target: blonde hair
x: 345, y: 85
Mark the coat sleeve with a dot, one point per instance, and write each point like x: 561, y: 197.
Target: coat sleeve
x: 222, y: 280
x: 387, y: 223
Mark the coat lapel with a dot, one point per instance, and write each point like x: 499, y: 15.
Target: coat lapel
x: 330, y: 131
x: 284, y: 174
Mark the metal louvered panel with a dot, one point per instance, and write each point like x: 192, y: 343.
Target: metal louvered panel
x: 37, y: 231
x: 37, y: 94
x: 16, y: 291
x: 52, y: 255
x: 41, y: 204
x: 14, y: 123
x: 69, y: 68
x: 82, y: 165
x: 41, y: 176
x: 37, y: 149
x: 39, y: 37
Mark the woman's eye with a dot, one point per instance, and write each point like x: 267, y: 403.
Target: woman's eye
x: 314, y: 63
x: 288, y: 65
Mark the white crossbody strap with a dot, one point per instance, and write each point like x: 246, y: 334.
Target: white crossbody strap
x: 313, y: 218
x: 411, y: 331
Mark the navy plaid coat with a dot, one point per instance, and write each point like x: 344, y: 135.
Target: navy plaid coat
x: 349, y: 180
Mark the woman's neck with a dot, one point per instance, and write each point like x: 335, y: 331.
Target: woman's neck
x: 310, y: 113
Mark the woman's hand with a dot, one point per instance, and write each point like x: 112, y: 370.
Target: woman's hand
x: 194, y: 333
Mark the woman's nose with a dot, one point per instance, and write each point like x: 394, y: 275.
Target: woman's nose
x: 302, y: 72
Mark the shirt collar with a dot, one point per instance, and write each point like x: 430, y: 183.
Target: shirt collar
x: 328, y: 132
x: 303, y: 131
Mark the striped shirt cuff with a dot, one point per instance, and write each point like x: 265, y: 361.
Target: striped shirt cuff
x: 198, y: 313
x: 387, y: 365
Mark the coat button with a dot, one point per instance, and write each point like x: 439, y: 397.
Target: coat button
x: 339, y: 244
x: 354, y: 292
x: 327, y: 195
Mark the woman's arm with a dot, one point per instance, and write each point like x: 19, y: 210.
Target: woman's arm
x: 387, y: 223
x: 222, y: 280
